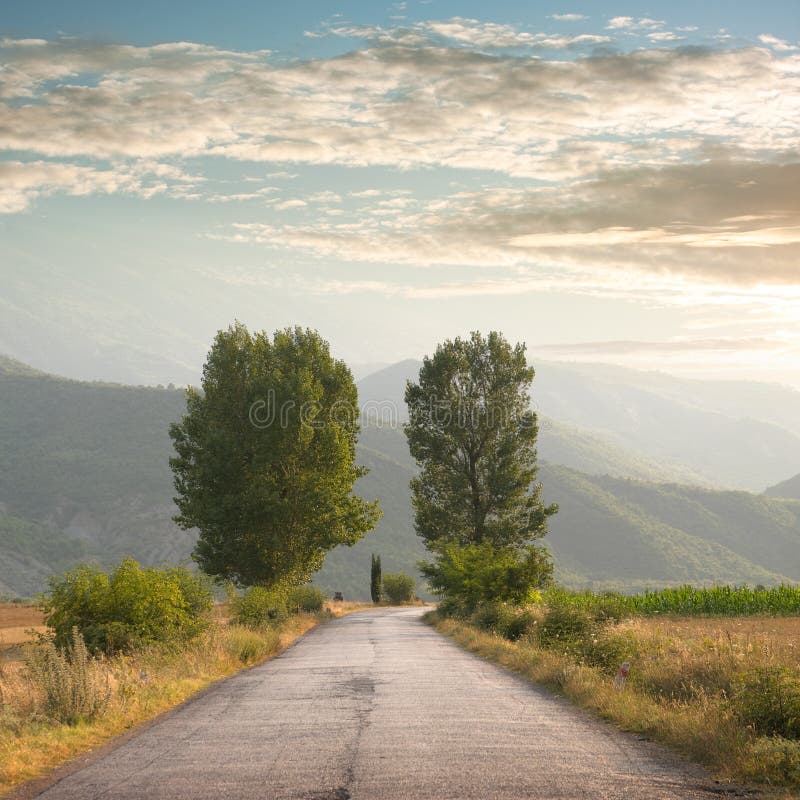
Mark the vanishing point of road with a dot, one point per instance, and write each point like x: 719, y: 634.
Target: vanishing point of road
x: 378, y: 706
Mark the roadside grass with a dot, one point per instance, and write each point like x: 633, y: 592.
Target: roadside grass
x: 139, y: 686
x: 416, y: 602
x: 707, y: 687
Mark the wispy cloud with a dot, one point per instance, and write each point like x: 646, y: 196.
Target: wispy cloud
x: 464, y: 31
x: 723, y: 221
x: 781, y: 45
x: 22, y: 182
x: 633, y: 23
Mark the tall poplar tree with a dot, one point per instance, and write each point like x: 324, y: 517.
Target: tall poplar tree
x: 473, y: 433
x: 265, y: 458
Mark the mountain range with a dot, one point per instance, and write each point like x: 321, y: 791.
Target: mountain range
x: 646, y: 495
x: 787, y: 488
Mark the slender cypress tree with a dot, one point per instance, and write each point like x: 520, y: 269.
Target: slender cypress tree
x: 376, y: 579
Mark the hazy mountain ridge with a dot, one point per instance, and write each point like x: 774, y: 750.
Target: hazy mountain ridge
x: 670, y: 424
x: 739, y: 452
x: 612, y: 531
x: 84, y: 474
x: 767, y: 402
x: 788, y: 488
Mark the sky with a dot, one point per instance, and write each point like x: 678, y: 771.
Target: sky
x: 612, y: 182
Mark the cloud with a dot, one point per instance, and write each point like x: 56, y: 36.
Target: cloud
x: 464, y: 31
x: 664, y: 36
x: 669, y: 163
x: 781, y: 45
x: 492, y: 35
x: 285, y: 205
x: 724, y: 222
x: 633, y: 24
x: 23, y: 182
x: 676, y: 346
x: 568, y: 17
x: 400, y: 106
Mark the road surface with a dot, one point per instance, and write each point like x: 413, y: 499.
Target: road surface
x: 373, y: 706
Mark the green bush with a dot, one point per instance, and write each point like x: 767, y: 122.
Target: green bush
x: 128, y: 607
x: 475, y: 573
x: 398, y: 587
x: 607, y: 652
x: 305, y: 598
x: 610, y: 607
x: 773, y: 759
x: 767, y: 699
x: 566, y: 627
x: 259, y: 606
x: 521, y: 624
x: 493, y: 616
x: 70, y: 681
x: 454, y: 608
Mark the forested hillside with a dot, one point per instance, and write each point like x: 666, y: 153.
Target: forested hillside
x: 609, y: 532
x: 84, y: 473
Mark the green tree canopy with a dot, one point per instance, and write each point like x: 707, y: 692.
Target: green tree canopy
x: 265, y: 462
x: 472, y: 431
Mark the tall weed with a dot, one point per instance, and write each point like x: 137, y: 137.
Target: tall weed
x: 73, y: 685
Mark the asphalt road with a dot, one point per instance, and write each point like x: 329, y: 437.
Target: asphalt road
x: 377, y: 705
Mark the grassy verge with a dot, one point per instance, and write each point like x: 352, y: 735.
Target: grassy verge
x: 136, y: 687
x: 684, y: 688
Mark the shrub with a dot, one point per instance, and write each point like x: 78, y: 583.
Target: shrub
x: 493, y: 616
x: 521, y: 624
x: 610, y: 607
x: 127, y: 607
x: 606, y: 651
x: 453, y: 607
x: 768, y: 700
x: 772, y: 759
x: 71, y: 682
x: 305, y: 598
x: 398, y: 587
x: 565, y: 627
x: 259, y: 606
x: 476, y: 573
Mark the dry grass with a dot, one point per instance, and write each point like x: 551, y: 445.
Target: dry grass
x: 16, y: 623
x: 17, y: 615
x: 339, y: 608
x: 678, y: 691
x: 141, y: 686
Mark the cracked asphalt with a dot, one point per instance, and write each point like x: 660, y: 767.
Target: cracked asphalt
x: 377, y: 705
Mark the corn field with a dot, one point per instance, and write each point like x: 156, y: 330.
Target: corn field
x: 688, y: 600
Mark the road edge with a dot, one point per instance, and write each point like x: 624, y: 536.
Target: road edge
x: 36, y: 786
